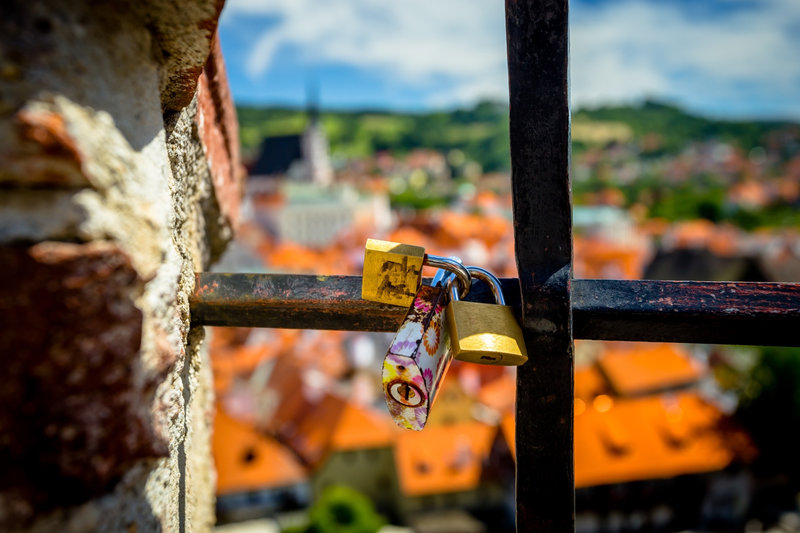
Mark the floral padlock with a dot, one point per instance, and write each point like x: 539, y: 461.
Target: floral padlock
x: 482, y: 333
x: 419, y: 355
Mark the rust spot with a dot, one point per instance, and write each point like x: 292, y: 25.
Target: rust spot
x: 49, y: 131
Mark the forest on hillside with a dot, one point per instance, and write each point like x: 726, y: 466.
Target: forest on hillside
x: 481, y: 132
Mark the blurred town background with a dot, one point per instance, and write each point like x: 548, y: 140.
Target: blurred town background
x: 668, y: 437
x: 391, y: 122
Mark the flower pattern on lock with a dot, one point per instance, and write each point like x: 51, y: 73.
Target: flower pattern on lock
x: 432, y: 336
x: 422, y: 307
x: 417, y: 360
x: 427, y: 375
x: 405, y: 342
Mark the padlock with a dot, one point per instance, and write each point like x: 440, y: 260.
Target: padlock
x: 418, y: 358
x: 485, y: 333
x: 392, y: 271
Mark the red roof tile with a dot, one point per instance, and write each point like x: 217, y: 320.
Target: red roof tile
x: 443, y: 458
x: 246, y: 460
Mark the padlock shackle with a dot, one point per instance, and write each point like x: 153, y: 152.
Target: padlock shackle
x: 451, y: 265
x: 491, y: 280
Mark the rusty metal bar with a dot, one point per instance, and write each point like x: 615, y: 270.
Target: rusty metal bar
x: 539, y: 126
x: 670, y: 311
x: 288, y: 301
x: 303, y: 301
x: 687, y: 311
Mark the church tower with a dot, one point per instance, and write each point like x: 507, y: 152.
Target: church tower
x: 315, y: 143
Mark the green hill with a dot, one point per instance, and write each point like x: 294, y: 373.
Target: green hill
x: 676, y: 127
x: 482, y: 131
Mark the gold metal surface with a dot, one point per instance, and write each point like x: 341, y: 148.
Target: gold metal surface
x: 487, y: 334
x: 392, y: 272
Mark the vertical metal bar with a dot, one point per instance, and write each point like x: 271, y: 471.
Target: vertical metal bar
x: 537, y: 40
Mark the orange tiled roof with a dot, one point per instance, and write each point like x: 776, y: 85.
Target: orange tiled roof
x: 721, y: 239
x: 600, y: 259
x: 293, y: 258
x: 291, y: 397
x: 623, y: 440
x: 589, y: 382
x: 456, y: 228
x: 247, y: 460
x: 409, y: 235
x: 647, y: 438
x: 487, y: 201
x: 750, y: 193
x: 241, y: 359
x: 359, y: 428
x: 693, y: 233
x: 789, y: 190
x: 335, y: 424
x: 638, y: 368
x: 500, y: 394
x: 315, y: 422
x: 442, y: 459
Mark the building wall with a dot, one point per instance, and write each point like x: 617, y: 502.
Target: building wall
x: 370, y: 471
x: 120, y: 176
x: 486, y: 496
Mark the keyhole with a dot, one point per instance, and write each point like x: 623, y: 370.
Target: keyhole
x: 405, y: 390
x: 405, y: 393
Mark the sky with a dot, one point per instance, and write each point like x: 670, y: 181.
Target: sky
x: 725, y: 58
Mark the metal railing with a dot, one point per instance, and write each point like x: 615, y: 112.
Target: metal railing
x: 554, y: 307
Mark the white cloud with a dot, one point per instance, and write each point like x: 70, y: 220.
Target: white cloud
x: 627, y: 50
x: 454, y: 50
x: 414, y: 41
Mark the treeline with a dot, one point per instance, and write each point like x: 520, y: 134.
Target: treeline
x: 481, y: 132
x: 676, y: 128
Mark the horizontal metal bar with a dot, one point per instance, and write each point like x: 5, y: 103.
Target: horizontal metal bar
x: 687, y: 311
x: 673, y: 311
x: 288, y: 301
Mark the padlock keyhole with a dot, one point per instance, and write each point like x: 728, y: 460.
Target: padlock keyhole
x: 405, y: 393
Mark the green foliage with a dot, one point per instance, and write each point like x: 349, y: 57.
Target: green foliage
x: 675, y: 127
x: 412, y: 199
x: 481, y: 134
x: 770, y: 408
x: 775, y: 216
x: 482, y: 131
x: 688, y: 201
x: 341, y: 509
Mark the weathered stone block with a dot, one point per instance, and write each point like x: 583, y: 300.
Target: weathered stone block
x: 130, y: 175
x: 75, y: 400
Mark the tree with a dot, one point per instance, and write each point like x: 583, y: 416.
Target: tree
x: 770, y: 409
x: 341, y: 509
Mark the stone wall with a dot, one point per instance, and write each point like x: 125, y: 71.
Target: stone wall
x: 119, y: 178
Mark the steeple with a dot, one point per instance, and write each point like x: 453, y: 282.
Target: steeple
x: 314, y: 141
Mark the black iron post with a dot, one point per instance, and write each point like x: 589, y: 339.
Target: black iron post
x: 537, y: 40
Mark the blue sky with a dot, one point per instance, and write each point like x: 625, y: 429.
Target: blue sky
x: 731, y: 58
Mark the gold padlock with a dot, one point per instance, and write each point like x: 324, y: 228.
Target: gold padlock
x: 485, y: 333
x: 392, y: 272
